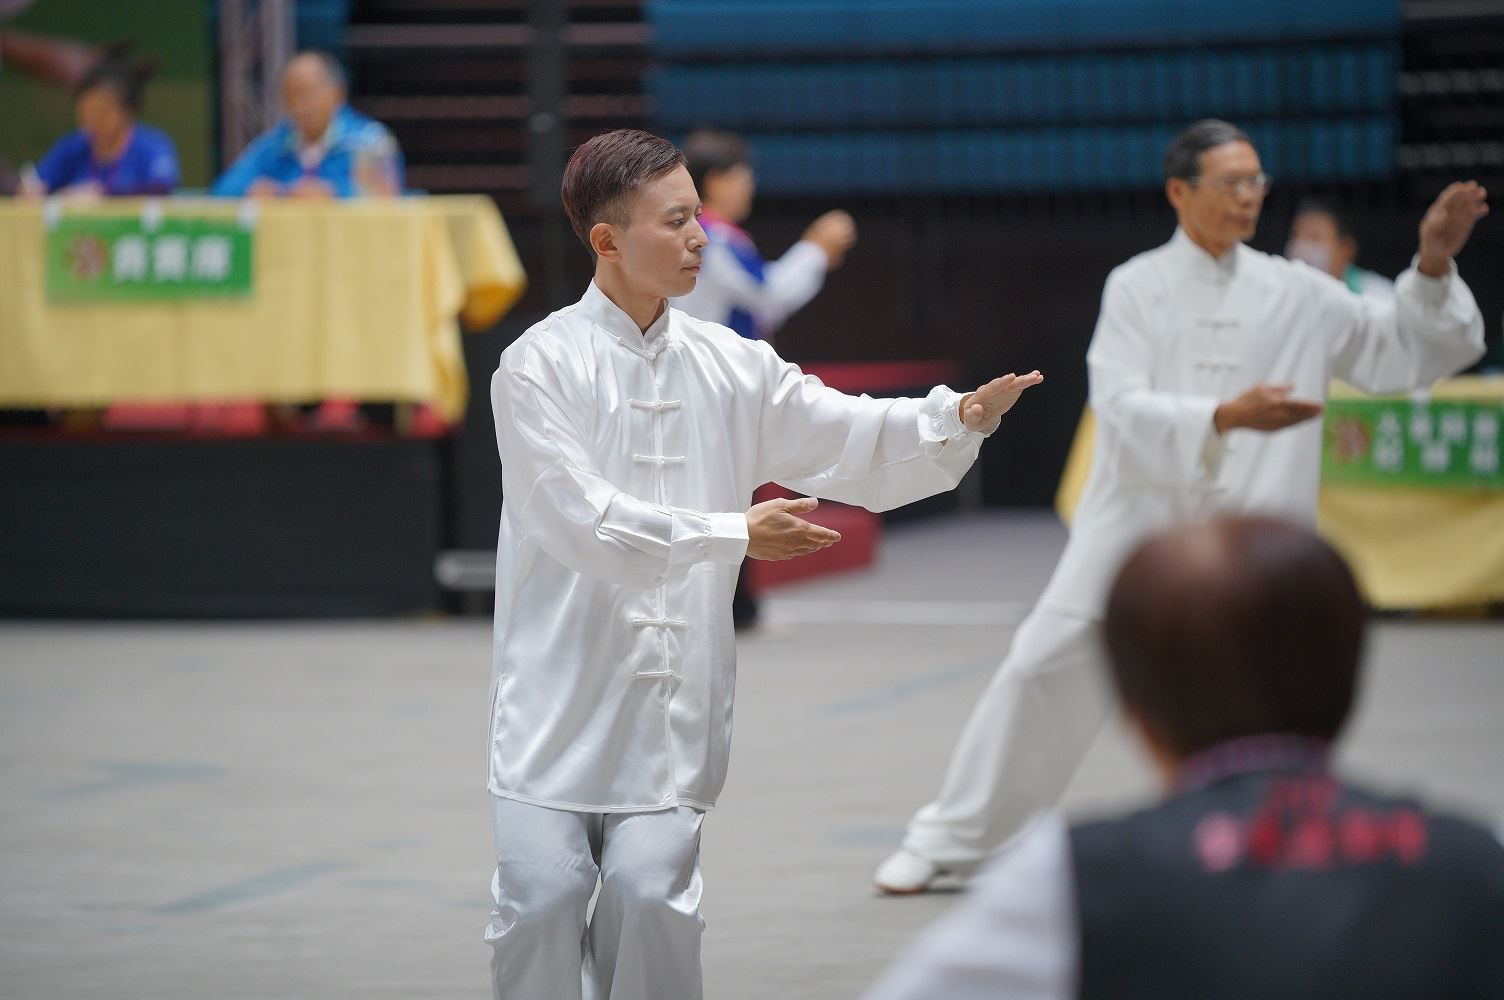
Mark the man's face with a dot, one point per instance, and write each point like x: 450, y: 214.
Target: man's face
x: 101, y: 115
x: 1314, y: 239
x: 310, y: 98
x: 1221, y: 207
x: 659, y: 250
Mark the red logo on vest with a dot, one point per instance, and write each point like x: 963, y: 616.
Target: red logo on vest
x: 1300, y: 827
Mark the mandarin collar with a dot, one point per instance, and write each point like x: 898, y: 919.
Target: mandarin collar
x: 1201, y: 263
x: 334, y: 133
x: 1252, y: 754
x: 611, y: 318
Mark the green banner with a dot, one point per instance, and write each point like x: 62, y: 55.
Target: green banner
x: 1447, y: 444
x: 122, y: 258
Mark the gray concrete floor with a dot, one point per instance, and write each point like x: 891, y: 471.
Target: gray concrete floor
x: 298, y: 810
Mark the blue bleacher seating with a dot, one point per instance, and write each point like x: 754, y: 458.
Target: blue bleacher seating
x: 964, y: 96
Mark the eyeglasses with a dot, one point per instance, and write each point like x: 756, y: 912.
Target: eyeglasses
x: 1258, y: 184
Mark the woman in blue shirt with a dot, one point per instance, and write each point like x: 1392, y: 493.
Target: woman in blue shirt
x: 111, y: 153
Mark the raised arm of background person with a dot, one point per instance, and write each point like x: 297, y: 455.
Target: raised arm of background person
x: 787, y: 284
x: 573, y: 512
x: 795, y: 277
x: 1432, y: 329
x: 1164, y: 437
x: 876, y: 453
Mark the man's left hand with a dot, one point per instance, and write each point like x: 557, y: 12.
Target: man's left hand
x: 981, y: 410
x: 1447, y: 225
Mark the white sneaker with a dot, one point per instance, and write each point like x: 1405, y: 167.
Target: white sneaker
x: 906, y: 873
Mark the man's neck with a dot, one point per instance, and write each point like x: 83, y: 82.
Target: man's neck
x: 643, y: 308
x: 307, y: 141
x: 113, y: 148
x: 1216, y: 248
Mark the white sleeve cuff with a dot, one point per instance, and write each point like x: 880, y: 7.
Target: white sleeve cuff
x: 1214, y: 446
x: 718, y: 538
x: 940, y: 418
x: 1433, y: 291
x: 728, y: 537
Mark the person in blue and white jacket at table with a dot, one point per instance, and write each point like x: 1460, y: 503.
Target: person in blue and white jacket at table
x: 323, y: 148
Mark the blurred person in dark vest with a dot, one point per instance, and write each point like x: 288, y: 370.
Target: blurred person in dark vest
x: 1235, y: 647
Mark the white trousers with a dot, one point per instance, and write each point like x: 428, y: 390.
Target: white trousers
x: 1025, y: 738
x: 642, y: 942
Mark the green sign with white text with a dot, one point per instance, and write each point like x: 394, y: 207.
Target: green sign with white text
x: 123, y: 258
x: 1445, y: 443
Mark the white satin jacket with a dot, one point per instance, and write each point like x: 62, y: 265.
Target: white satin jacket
x: 1181, y: 331
x: 628, y: 462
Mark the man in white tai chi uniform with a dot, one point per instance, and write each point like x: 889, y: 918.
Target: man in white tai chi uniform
x: 1206, y: 367
x: 632, y: 437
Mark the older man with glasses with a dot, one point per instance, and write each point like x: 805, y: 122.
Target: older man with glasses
x: 1207, y: 371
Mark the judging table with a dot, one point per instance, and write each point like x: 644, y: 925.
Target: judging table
x: 1413, y: 543
x: 361, y: 299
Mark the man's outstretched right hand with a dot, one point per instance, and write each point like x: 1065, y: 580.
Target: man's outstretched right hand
x: 776, y: 531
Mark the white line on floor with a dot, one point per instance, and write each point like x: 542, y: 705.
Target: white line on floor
x: 782, y: 611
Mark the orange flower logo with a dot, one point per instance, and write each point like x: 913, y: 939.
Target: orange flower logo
x: 1350, y: 439
x: 88, y: 256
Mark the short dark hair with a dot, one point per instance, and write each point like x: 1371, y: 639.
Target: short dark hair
x: 1234, y: 628
x: 707, y: 150
x: 1318, y: 206
x: 120, y: 74
x: 1183, y: 157
x: 604, y: 172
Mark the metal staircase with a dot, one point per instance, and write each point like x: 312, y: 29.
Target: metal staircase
x: 488, y: 95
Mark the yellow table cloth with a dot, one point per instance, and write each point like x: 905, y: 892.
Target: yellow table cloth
x: 1409, y: 547
x: 359, y: 299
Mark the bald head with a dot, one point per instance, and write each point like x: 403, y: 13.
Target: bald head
x: 313, y: 90
x: 1233, y: 628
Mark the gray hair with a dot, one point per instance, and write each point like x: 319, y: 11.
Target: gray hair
x: 330, y: 65
x: 1183, y: 157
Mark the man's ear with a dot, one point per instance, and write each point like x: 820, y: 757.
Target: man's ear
x: 603, y: 241
x: 1175, y: 190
